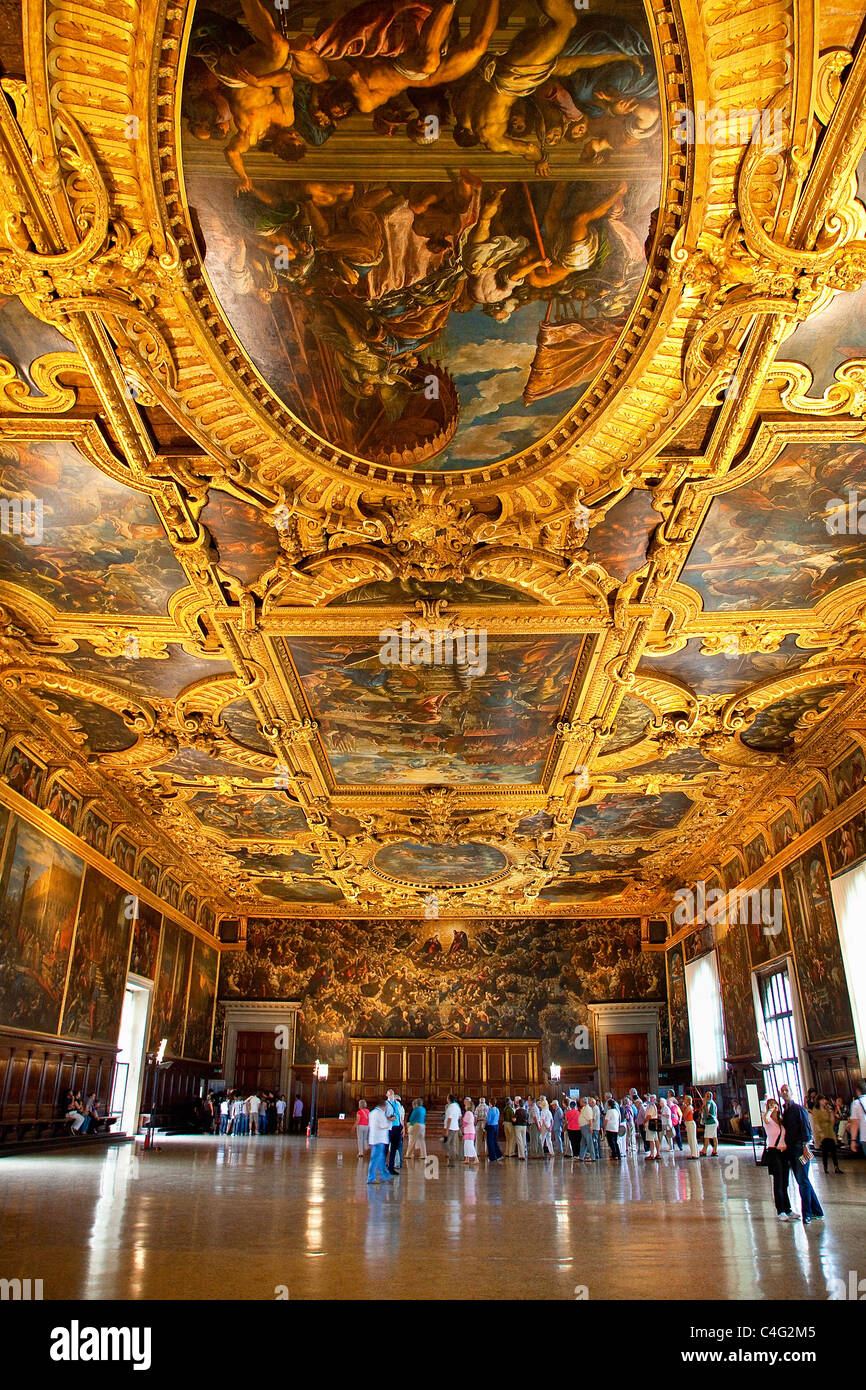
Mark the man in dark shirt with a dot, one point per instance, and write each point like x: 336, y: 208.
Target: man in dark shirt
x: 798, y: 1133
x: 521, y: 1120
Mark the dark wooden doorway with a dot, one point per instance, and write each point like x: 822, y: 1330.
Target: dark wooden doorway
x: 628, y: 1062
x: 257, y: 1062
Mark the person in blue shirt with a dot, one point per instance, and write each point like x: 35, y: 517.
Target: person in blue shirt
x: 494, y: 1153
x: 798, y: 1135
x: 395, y: 1113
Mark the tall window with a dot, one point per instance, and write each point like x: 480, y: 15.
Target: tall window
x: 778, y: 1036
x: 849, y: 900
x: 704, y: 999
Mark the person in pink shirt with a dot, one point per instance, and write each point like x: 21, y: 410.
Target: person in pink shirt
x: 470, y: 1154
x: 362, y: 1125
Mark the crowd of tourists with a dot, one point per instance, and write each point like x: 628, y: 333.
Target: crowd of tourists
x: 592, y: 1128
x: 533, y: 1127
x: 259, y: 1112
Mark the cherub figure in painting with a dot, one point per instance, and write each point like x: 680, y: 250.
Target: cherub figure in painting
x: 381, y: 48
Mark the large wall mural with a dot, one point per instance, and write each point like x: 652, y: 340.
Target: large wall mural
x: 741, y: 1033
x: 821, y: 972
x: 409, y: 979
x: 94, y: 995
x: 39, y: 890
x: 433, y: 261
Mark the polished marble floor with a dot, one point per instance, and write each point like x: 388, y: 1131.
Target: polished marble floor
x: 260, y: 1218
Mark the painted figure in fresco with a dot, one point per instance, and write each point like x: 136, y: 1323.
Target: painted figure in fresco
x: 383, y: 47
x: 484, y: 104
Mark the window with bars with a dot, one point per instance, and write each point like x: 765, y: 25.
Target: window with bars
x: 778, y: 1035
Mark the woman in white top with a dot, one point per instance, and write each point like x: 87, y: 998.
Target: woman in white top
x: 775, y: 1160
x: 652, y: 1128
x: 470, y: 1156
x: 666, y: 1129
x: 586, y: 1150
x: 545, y: 1128
x: 612, y: 1121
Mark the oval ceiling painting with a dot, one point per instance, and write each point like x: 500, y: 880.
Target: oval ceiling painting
x: 426, y: 222
x: 440, y: 866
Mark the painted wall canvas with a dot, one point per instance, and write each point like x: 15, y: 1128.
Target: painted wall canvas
x: 678, y: 1012
x: 407, y: 213
x: 849, y: 775
x: 847, y: 845
x: 94, y: 831
x: 145, y: 941
x: 738, y: 1005
x: 202, y: 993
x: 24, y: 775
x: 756, y: 853
x: 818, y: 955
x: 63, y: 805
x: 94, y: 997
x: 434, y: 723
x: 765, y: 943
x: 103, y: 548
x: 814, y: 805
x: 767, y: 544
x: 480, y: 978
x: 172, y: 983
x: 39, y: 890
x: 783, y: 831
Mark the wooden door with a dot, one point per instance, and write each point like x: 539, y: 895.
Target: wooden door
x: 628, y: 1062
x: 257, y: 1062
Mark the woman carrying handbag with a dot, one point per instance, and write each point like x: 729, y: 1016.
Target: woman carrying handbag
x: 773, y: 1158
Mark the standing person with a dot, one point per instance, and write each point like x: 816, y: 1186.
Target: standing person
x: 586, y: 1131
x: 224, y: 1114
x: 628, y: 1114
x: 545, y: 1127
x: 470, y: 1153
x: 798, y: 1133
x: 254, y: 1105
x: 451, y: 1124
x: 676, y: 1120
x: 494, y: 1153
x: 572, y: 1125
x: 417, y: 1147
x: 822, y: 1124
x: 596, y: 1127
x: 558, y: 1124
x: 362, y: 1127
x: 775, y: 1160
x: 640, y: 1122
x: 508, y: 1113
x: 521, y: 1120
x: 691, y: 1127
x: 652, y: 1128
x: 666, y: 1130
x: 857, y: 1121
x: 534, y: 1128
x: 297, y: 1125
x: 378, y: 1136
x: 711, y: 1125
x: 395, y: 1112
x: 281, y: 1114
x: 481, y: 1128
x: 611, y: 1129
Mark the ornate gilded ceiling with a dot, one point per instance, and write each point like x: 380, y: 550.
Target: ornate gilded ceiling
x: 431, y: 441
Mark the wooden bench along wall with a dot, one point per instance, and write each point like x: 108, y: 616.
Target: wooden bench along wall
x: 36, y: 1073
